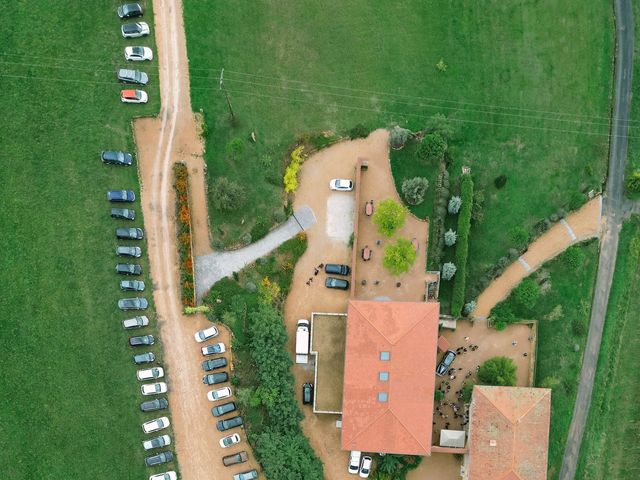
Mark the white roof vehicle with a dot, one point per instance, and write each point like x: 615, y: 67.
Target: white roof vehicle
x: 158, y: 442
x: 155, y: 425
x: 229, y: 440
x: 150, y: 373
x: 206, y: 334
x: 219, y: 394
x: 138, y: 54
x: 341, y: 184
x: 135, y: 322
x: 171, y: 475
x: 214, y: 348
x: 365, y: 467
x: 153, y: 388
x: 354, y: 461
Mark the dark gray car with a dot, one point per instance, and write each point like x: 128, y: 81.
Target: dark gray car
x: 337, y: 269
x: 153, y: 405
x: 338, y: 283
x: 229, y: 423
x: 132, y: 285
x: 130, y: 10
x: 141, y: 358
x: 214, y: 364
x: 116, y: 157
x: 235, y: 458
x: 126, y: 75
x: 159, y: 459
x: 124, y: 213
x: 142, y: 340
x: 128, y: 269
x: 213, y: 378
x: 138, y: 303
x: 223, y: 409
x: 121, y: 196
x: 445, y: 363
x: 129, y: 233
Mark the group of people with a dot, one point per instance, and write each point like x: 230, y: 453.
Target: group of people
x: 316, y: 271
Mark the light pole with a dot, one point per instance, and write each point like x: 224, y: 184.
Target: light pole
x: 226, y: 94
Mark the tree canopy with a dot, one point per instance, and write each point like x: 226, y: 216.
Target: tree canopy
x: 389, y: 216
x: 399, y: 256
x: 498, y: 371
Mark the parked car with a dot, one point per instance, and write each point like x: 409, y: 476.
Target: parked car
x: 365, y: 467
x: 445, y: 363
x: 229, y: 440
x: 307, y: 393
x: 229, y: 423
x: 215, y: 378
x: 142, y: 340
x: 138, y: 303
x: 129, y: 233
x: 124, y: 213
x: 141, y: 358
x: 137, y: 77
x: 157, y: 442
x: 150, y: 373
x: 170, y: 475
x: 338, y: 283
x: 135, y: 322
x: 135, y: 30
x: 121, y: 196
x: 337, y: 269
x: 206, y: 334
x: 214, y: 364
x: 153, y: 388
x: 214, y: 348
x: 219, y: 394
x: 132, y: 285
x: 153, y: 405
x: 133, y: 96
x: 341, y: 184
x: 235, y: 458
x: 126, y: 251
x: 354, y: 462
x: 116, y: 157
x: 248, y: 475
x: 138, y: 54
x: 159, y: 459
x: 224, y: 409
x: 130, y: 10
x: 128, y: 269
x: 155, y: 425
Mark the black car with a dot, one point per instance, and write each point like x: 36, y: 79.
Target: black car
x: 128, y: 269
x: 223, y: 409
x: 126, y: 251
x: 141, y: 358
x: 235, y: 458
x: 445, y: 363
x: 153, y: 405
x: 214, y: 378
x: 338, y: 283
x: 142, y: 340
x: 159, y: 459
x: 125, y: 213
x: 307, y: 393
x: 138, y: 303
x: 132, y: 76
x: 129, y: 233
x: 121, y: 196
x: 214, y: 364
x: 130, y: 10
x: 337, y: 269
x: 229, y: 423
x: 115, y: 157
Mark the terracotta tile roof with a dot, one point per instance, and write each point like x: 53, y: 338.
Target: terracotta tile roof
x: 409, y: 332
x: 509, y: 433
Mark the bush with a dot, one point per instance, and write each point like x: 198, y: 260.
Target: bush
x: 501, y: 314
x: 439, y: 123
x: 246, y: 239
x: 498, y: 371
x: 462, y: 247
x: 185, y: 253
x: 287, y: 456
x: 469, y: 308
x: 398, y: 137
x: 500, y: 181
x: 389, y: 216
x: 279, y: 216
x: 467, y: 390
x: 438, y: 395
x: 432, y: 148
x: 399, y: 257
x: 414, y: 190
x: 520, y: 237
x: 632, y: 182
x: 227, y: 195
x: 259, y: 230
x: 477, y: 212
x: 579, y: 328
x: 359, y: 131
x: 448, y: 271
x: 450, y: 238
x: 527, y: 293
x: 250, y: 287
x: 290, y: 178
x: 454, y: 205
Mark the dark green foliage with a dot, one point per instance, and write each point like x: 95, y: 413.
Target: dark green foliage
x: 462, y: 245
x: 498, y: 371
x: 632, y: 182
x: 576, y: 200
x: 286, y: 456
x: 440, y: 124
x: 226, y: 194
x: 527, y: 293
x: 396, y: 467
x: 235, y: 148
x: 414, y: 189
x: 432, y: 148
x: 500, y: 181
x: 502, y: 315
x: 438, y: 395
x: 359, y: 131
x: 398, y: 137
x: 578, y: 327
x: 467, y: 391
x: 519, y: 237
x: 477, y: 212
x: 259, y: 230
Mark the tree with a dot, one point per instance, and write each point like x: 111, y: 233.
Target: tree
x: 448, y: 271
x: 498, y: 371
x: 519, y: 236
x: 633, y: 181
x: 469, y: 308
x: 450, y: 238
x: 455, y: 203
x: 227, y: 195
x: 398, y: 137
x: 287, y: 455
x: 501, y: 316
x: 432, y: 148
x: 439, y: 123
x: 399, y: 257
x: 389, y: 216
x: 527, y: 293
x: 414, y: 190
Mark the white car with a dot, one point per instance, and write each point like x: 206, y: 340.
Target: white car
x: 138, y: 54
x: 171, y: 475
x: 150, y: 373
x: 136, y: 322
x: 219, y: 394
x: 135, y: 30
x: 354, y: 461
x: 341, y: 184
x: 214, y: 348
x: 365, y: 467
x: 206, y: 334
x: 158, y: 442
x: 155, y: 425
x: 153, y: 388
x: 229, y: 440
x: 134, y: 96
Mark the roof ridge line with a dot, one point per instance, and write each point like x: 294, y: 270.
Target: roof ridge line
x: 533, y: 404
x: 369, y: 322
x: 387, y: 409
x: 376, y: 328
x: 410, y: 433
x: 496, y: 407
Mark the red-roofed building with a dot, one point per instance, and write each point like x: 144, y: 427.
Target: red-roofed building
x: 508, y: 434
x: 389, y: 377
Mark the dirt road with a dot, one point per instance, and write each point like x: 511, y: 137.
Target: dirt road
x: 161, y: 142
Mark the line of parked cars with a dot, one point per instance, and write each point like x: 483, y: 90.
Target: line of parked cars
x: 337, y: 269
x: 135, y: 53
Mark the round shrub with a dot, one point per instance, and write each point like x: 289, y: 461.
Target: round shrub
x: 498, y: 371
x: 468, y: 308
x: 527, y: 293
x: 359, y: 131
x: 218, y: 244
x: 432, y: 148
x: 450, y: 238
x: 414, y: 189
x: 246, y: 238
x: 251, y: 287
x: 448, y: 271
x: 513, y: 254
x: 279, y: 216
x: 500, y: 181
x: 455, y: 203
x: 519, y: 236
x: 227, y: 195
x: 398, y: 137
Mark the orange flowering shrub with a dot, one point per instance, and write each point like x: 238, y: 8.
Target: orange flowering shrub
x: 187, y: 283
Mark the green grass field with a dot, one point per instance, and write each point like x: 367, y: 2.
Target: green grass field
x: 68, y: 393
x: 527, y: 85
x: 563, y: 314
x: 613, y: 426
x: 633, y: 158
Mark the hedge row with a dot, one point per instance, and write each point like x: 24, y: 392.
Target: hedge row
x: 462, y: 246
x: 187, y: 284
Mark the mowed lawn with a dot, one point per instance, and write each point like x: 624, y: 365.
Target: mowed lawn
x: 610, y: 445
x: 69, y: 399
x: 527, y: 86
